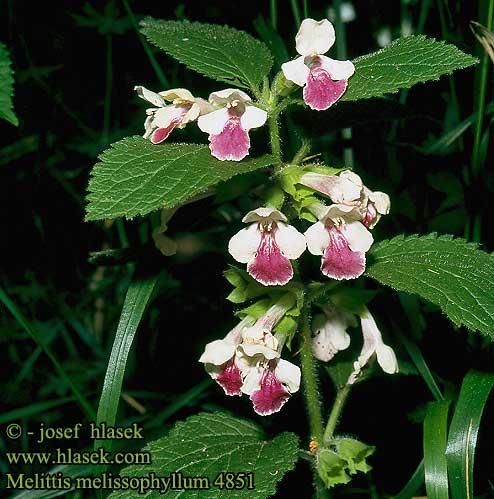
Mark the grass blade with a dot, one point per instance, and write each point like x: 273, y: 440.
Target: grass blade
x: 134, y: 305
x: 460, y: 451
x: 435, y: 436
x: 14, y: 310
x: 30, y: 410
x: 413, y: 485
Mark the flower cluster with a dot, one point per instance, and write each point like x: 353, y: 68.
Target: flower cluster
x: 341, y: 235
x: 248, y: 361
x: 228, y: 115
x: 330, y: 336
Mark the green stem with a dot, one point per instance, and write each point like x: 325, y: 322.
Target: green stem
x: 309, y: 376
x: 484, y: 70
x: 274, y: 135
x: 159, y: 73
x: 312, y: 399
x: 273, y: 9
x: 306, y: 8
x: 335, y: 413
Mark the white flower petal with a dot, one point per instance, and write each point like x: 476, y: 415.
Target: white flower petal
x: 288, y: 374
x: 243, y: 245
x: 291, y: 242
x: 387, y: 359
x: 165, y: 115
x: 192, y: 114
x: 340, y: 189
x: 253, y: 117
x: 251, y: 380
x: 296, y: 71
x: 177, y: 93
x: 150, y: 96
x: 314, y: 37
x: 264, y: 212
x: 204, y: 106
x: 252, y: 349
x: 381, y: 202
x: 357, y: 236
x: 213, y: 123
x: 228, y: 95
x: 317, y: 238
x: 218, y: 352
x: 338, y: 70
x: 347, y: 212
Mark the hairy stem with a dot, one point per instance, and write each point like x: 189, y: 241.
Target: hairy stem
x: 274, y: 135
x: 335, y: 413
x: 309, y: 377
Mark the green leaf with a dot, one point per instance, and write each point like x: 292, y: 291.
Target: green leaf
x: 6, y: 87
x: 451, y: 273
x: 414, y: 484
x: 245, y: 287
x: 402, y: 64
x: 346, y: 456
x: 219, y: 52
x: 435, y: 434
x: 208, y: 444
x: 462, y: 440
x: 136, y: 299
x: 135, y: 177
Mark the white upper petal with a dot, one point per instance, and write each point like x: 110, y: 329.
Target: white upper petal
x: 338, y: 70
x: 288, y: 374
x: 214, y: 122
x: 314, y: 37
x: 218, y: 352
x: 152, y: 97
x: 263, y: 213
x: 253, y: 117
x: 177, y: 93
x: 257, y: 349
x: 243, y: 245
x: 296, y: 71
x: 381, y: 202
x: 387, y: 359
x: 291, y: 242
x: 317, y: 238
x: 357, y: 236
x: 228, y: 95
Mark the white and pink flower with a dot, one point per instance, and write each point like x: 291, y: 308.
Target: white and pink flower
x: 340, y: 238
x: 228, y: 127
x: 248, y: 361
x: 377, y: 204
x: 267, y: 245
x: 164, y: 117
x: 329, y: 333
x: 373, y: 344
x: 324, y: 79
x: 222, y: 359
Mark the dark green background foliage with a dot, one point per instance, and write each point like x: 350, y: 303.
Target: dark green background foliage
x: 75, y: 68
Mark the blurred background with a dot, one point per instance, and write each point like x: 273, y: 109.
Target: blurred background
x: 76, y: 64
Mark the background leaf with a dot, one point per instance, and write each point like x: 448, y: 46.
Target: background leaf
x: 6, y: 87
x: 135, y: 177
x: 463, y: 431
x: 219, y: 52
x: 207, y: 444
x: 402, y: 64
x: 135, y: 303
x: 451, y: 273
x: 435, y: 434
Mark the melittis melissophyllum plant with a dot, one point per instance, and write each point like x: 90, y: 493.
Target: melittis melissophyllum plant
x: 299, y: 256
